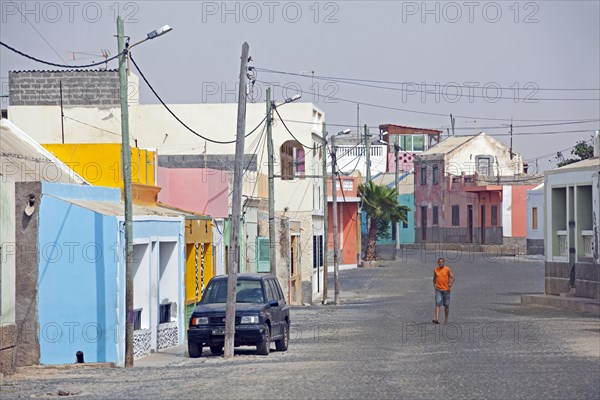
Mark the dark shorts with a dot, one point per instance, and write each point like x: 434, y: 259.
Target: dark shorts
x: 442, y: 297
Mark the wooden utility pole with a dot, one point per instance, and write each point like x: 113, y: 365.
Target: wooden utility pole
x: 236, y: 208
x: 511, y: 136
x: 271, y: 172
x: 336, y: 297
x: 62, y: 115
x: 325, y: 215
x: 126, y: 168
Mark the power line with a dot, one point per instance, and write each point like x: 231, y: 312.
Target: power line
x: 385, y: 107
x: 349, y: 80
x: 38, y: 32
x: 290, y: 132
x: 55, y: 64
x: 178, y: 119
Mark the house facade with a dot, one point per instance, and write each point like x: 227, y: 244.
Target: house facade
x: 348, y: 221
x: 572, y: 228
x: 411, y: 142
x: 535, y: 220
x: 470, y: 189
x: 96, y: 119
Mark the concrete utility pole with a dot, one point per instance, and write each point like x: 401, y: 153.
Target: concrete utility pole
x: 126, y: 168
x: 396, y: 178
x: 336, y: 297
x: 236, y: 208
x: 325, y: 215
x: 271, y: 172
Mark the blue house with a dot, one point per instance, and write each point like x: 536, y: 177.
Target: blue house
x: 81, y: 281
x: 406, y: 197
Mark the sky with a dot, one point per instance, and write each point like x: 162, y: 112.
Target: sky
x: 409, y: 63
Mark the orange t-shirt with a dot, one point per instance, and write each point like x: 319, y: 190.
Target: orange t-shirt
x: 442, y: 277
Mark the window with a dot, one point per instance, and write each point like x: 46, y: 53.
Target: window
x: 418, y: 143
x: 317, y: 251
x: 494, y: 211
x: 435, y: 218
x: 434, y: 175
x: 292, y: 160
x: 405, y: 224
x: 483, y: 165
x: 423, y: 175
x: 137, y: 319
x: 271, y: 291
x: 455, y: 216
x: 165, y: 313
x: 534, y: 218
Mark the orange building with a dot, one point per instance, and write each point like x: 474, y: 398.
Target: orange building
x: 348, y: 207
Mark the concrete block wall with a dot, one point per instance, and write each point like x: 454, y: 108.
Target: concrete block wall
x: 79, y: 87
x: 8, y: 341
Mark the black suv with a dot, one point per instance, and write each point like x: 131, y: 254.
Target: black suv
x: 261, y: 316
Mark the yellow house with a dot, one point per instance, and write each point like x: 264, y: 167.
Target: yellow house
x: 199, y: 265
x: 100, y: 163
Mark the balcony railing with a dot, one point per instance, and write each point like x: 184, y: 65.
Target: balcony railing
x: 563, y: 243
x: 588, y: 243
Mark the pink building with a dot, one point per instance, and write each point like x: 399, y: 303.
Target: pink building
x: 411, y: 142
x: 204, y: 191
x: 470, y: 189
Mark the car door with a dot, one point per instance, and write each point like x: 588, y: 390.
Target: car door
x: 273, y: 295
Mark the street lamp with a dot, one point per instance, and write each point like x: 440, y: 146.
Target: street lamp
x: 123, y: 48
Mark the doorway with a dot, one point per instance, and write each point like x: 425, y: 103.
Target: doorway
x: 482, y: 224
x: 424, y: 223
x: 470, y: 223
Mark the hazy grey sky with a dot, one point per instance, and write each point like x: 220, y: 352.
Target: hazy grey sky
x: 503, y: 44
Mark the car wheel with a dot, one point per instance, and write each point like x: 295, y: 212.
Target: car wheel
x: 216, y: 350
x: 264, y: 346
x: 194, y: 349
x: 282, y: 344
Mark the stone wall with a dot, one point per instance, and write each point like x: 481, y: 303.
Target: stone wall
x: 79, y: 88
x: 26, y: 275
x: 587, y: 279
x: 535, y: 246
x: 493, y: 235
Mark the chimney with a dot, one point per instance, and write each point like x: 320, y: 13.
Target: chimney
x: 597, y: 144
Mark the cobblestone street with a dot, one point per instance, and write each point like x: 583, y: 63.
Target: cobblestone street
x: 380, y: 343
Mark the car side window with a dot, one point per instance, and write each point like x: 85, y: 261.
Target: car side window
x: 269, y: 290
x: 277, y: 289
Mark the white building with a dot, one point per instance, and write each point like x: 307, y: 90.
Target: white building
x: 572, y: 224
x: 535, y: 220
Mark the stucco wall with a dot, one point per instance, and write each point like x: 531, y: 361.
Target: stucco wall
x: 8, y: 328
x: 26, y: 274
x: 204, y: 191
x: 77, y: 284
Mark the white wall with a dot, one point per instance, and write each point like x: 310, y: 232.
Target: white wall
x: 535, y: 198
x: 352, y: 158
x: 7, y: 241
x: 507, y: 211
x: 463, y: 159
x: 141, y: 282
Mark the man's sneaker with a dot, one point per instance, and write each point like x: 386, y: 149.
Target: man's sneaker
x: 435, y: 321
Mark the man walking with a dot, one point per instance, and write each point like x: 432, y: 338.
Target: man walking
x: 443, y: 279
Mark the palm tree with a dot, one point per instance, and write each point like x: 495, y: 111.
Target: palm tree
x: 382, y: 207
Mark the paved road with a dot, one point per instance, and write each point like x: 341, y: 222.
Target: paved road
x: 380, y: 343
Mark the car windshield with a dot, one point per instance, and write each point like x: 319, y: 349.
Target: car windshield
x: 247, y: 291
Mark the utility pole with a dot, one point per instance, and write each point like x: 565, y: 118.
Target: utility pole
x: 62, y: 115
x: 126, y: 168
x: 336, y: 297
x: 236, y: 208
x: 511, y: 135
x: 452, y: 120
x: 396, y: 179
x: 325, y: 216
x: 368, y: 152
x: 271, y: 172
